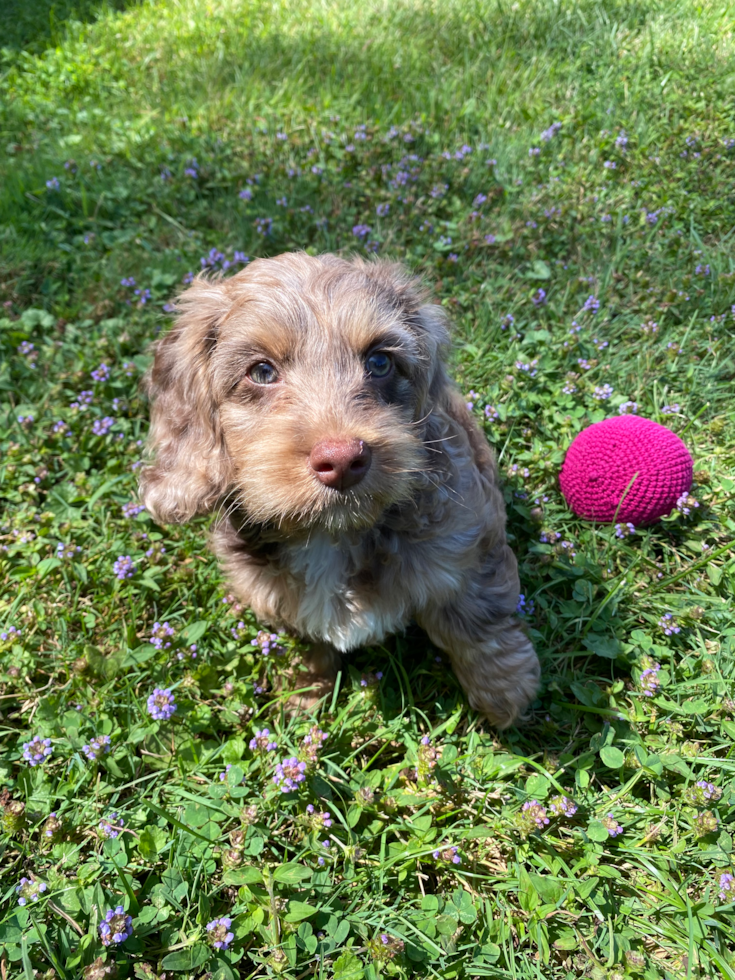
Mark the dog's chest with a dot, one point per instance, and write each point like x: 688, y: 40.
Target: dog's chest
x: 335, y: 596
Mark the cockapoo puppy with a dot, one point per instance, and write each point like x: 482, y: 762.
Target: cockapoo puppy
x: 306, y: 399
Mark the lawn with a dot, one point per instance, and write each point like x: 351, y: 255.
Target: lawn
x: 562, y: 176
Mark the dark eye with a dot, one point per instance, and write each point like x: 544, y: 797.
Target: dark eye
x: 379, y: 364
x: 263, y: 373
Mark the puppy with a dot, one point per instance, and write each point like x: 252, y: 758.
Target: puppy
x: 307, y: 399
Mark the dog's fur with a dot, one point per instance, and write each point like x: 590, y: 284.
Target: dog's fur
x: 421, y: 537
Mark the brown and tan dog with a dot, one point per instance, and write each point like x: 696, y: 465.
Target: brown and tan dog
x: 307, y: 399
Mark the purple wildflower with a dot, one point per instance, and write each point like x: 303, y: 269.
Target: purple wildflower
x: 109, y: 827
x: 727, y: 887
x: 649, y: 681
x: 539, y: 297
x: 524, y: 607
x: 101, y: 373
x: 361, y: 231
x: 124, y: 567
x: 289, y: 774
x: 624, y: 530
x: 562, y: 806
x: 161, y: 704
x: 602, y: 392
x: 219, y: 935
x: 668, y: 624
x: 535, y: 812
x: 132, y: 509
x: 628, y: 408
x: 116, y: 927
x: 37, y: 750
x: 382, y: 210
x: 100, y: 745
x: 161, y: 634
x: 262, y: 742
x: 318, y: 821
x: 29, y: 889
x: 448, y: 855
x: 611, y: 825
x: 100, y: 427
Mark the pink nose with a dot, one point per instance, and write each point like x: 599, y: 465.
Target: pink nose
x: 340, y: 463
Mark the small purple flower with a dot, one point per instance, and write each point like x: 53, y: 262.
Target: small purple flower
x: 602, y: 392
x: 132, y: 509
x: 727, y: 887
x: 37, y: 750
x: 268, y: 642
x: 65, y: 552
x: 263, y: 226
x: 507, y: 321
x: 262, y: 742
x: 318, y: 821
x: 449, y: 855
x: 562, y: 806
x: 29, y: 889
x: 624, y: 530
x: 491, y: 413
x: 548, y: 134
x: 161, y: 704
x: 100, y: 745
x: 53, y: 184
x: 382, y: 210
x: 59, y: 428
x: 219, y: 935
x: 361, y: 231
x: 591, y: 304
x: 100, y: 427
x: 116, y: 927
x: 611, y: 825
x: 539, y: 297
x: 11, y: 633
x: 672, y: 409
x: 668, y: 624
x: 535, y: 812
x: 490, y: 239
x: 628, y: 408
x: 530, y: 368
x: 479, y: 199
x: 101, y: 373
x: 289, y: 774
x: 534, y: 151
x: 649, y: 680
x: 685, y: 503
x: 524, y: 607
x: 161, y: 634
x: 110, y: 827
x: 129, y: 282
x: 124, y: 567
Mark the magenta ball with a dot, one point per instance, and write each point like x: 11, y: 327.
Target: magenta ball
x: 605, y: 457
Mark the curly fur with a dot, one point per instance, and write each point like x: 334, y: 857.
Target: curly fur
x: 421, y: 537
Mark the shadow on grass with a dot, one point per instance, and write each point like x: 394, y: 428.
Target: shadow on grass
x: 32, y: 25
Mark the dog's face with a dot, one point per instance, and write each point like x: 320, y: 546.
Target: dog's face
x: 298, y: 389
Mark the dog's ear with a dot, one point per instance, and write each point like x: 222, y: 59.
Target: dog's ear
x: 190, y: 469
x: 429, y: 321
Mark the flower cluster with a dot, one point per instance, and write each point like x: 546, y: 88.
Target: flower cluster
x: 649, y: 680
x: 385, y: 948
x: 703, y: 793
x: 52, y: 827
x: 116, y: 927
x: 532, y: 816
x: 562, y: 806
x: 124, y: 567
x: 685, y: 503
x: 611, y: 825
x: 100, y: 427
x: 624, y: 530
x: 268, y: 642
x: 37, y: 750
x: 29, y: 889
x: 317, y: 821
x: 101, y: 373
x: 525, y: 607
x: 100, y: 745
x: 289, y: 774
x: 727, y: 887
x: 628, y: 408
x: 161, y: 634
x: 668, y: 624
x: 10, y: 634
x: 219, y: 934
x: 705, y: 823
x: 161, y: 704
x: 602, y: 392
x: 132, y: 509
x: 311, y: 745
x: 65, y: 552
x: 109, y: 827
x: 450, y: 855
x: 262, y: 742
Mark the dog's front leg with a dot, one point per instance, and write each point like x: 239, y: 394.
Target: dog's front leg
x: 493, y: 659
x: 315, y: 676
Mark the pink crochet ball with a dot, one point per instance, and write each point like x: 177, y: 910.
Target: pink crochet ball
x: 606, y: 456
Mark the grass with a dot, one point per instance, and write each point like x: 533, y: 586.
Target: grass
x: 375, y: 103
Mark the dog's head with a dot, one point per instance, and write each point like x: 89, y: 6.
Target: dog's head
x: 298, y: 388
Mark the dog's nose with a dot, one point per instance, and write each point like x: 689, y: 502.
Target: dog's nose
x: 340, y: 463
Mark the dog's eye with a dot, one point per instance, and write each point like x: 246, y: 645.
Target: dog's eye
x: 263, y: 373
x: 379, y: 364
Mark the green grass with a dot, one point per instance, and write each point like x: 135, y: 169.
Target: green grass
x: 141, y: 93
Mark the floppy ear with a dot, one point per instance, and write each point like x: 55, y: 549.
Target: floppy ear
x: 190, y: 470
x: 428, y: 321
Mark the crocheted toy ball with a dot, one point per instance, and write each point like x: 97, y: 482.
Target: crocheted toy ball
x: 604, y: 458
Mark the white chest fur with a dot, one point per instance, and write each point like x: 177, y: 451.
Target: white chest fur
x: 331, y: 605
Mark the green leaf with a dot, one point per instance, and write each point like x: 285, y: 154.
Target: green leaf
x: 446, y: 925
x: 151, y: 842
x: 612, y: 757
x: 537, y: 786
x: 187, y: 959
x: 597, y: 832
x: 195, y: 631
x: 291, y: 874
x: 46, y: 565
x: 347, y: 967
x: 243, y: 876
x: 603, y: 646
x: 298, y: 911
